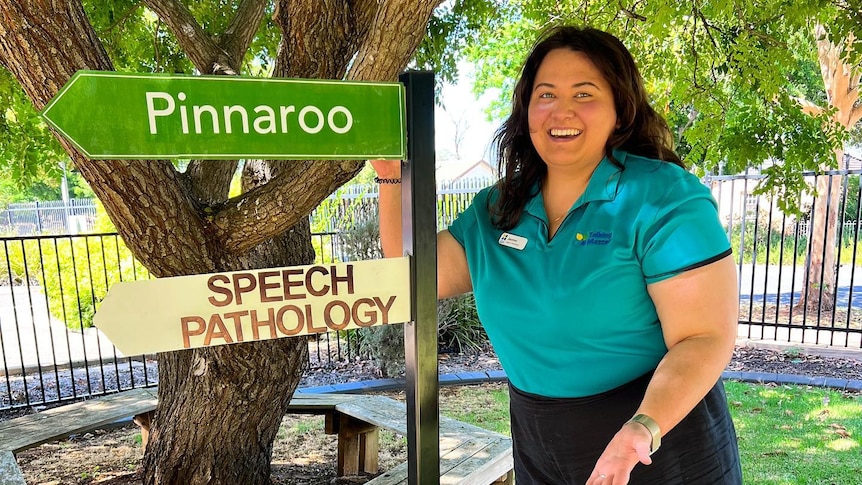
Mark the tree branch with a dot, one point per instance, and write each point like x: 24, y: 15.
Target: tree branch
x: 854, y: 116
x: 200, y: 48
x: 808, y: 107
x: 396, y: 29
x: 140, y: 196
x: 209, y: 180
x: 276, y: 206
x: 312, y: 27
x: 240, y: 33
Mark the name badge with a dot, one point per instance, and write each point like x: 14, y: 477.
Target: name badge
x: 513, y: 241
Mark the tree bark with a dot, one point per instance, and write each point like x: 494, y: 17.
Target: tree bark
x: 819, y: 293
x: 219, y: 408
x: 841, y: 81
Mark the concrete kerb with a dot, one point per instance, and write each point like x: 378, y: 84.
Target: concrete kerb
x: 500, y: 376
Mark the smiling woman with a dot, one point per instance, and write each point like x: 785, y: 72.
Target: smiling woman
x: 598, y: 236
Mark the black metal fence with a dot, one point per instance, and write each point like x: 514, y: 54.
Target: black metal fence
x: 50, y: 286
x: 773, y: 251
x: 74, y: 216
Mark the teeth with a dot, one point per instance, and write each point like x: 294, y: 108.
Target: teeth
x: 568, y: 132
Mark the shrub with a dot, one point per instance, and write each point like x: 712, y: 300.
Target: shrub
x: 79, y: 273
x: 459, y: 328
x: 458, y: 325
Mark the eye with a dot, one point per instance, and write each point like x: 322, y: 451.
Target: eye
x: 546, y: 95
x: 583, y: 95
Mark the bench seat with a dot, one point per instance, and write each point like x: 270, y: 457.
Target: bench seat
x: 468, y: 454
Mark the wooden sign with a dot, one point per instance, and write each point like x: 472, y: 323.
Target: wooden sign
x: 167, y: 314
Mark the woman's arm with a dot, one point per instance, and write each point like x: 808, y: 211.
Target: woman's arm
x: 453, y: 277
x: 698, y: 310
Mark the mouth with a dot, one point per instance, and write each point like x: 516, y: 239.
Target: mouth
x: 564, y: 133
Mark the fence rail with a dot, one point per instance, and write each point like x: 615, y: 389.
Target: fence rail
x: 74, y: 216
x: 50, y: 285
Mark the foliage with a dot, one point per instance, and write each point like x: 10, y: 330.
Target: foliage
x: 851, y: 201
x: 728, y: 76
x: 450, y: 30
x: 29, y: 153
x: 385, y: 345
x: 458, y: 325
x: 761, y: 241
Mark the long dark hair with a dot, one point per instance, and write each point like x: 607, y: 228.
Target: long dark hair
x: 641, y: 130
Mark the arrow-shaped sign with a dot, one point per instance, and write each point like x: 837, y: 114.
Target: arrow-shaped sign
x: 111, y: 115
x: 166, y: 314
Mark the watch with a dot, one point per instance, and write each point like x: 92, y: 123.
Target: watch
x: 650, y: 424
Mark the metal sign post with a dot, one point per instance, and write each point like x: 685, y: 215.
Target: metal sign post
x: 419, y: 233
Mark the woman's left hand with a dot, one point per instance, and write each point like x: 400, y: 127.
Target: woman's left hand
x: 629, y: 446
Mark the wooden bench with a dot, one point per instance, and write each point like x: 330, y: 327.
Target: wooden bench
x: 10, y: 474
x: 468, y: 454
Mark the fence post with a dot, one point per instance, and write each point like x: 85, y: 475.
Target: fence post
x: 38, y: 219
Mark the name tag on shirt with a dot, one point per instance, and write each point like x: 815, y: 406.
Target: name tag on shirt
x: 513, y: 241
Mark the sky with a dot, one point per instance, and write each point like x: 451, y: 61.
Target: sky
x: 461, y: 106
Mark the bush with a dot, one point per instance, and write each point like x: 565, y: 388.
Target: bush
x: 458, y: 325
x: 88, y: 266
x: 459, y: 328
x: 385, y: 345
x: 761, y: 243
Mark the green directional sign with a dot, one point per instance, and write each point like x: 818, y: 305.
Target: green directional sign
x: 112, y: 115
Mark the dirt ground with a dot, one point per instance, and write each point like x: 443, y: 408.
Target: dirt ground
x: 304, y: 455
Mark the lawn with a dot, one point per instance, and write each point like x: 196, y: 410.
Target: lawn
x: 788, y: 434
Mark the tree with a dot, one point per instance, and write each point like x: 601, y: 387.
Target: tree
x: 841, y: 77
x: 219, y: 408
x: 736, y: 82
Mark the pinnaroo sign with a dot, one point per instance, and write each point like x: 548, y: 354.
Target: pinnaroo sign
x: 184, y: 312
x: 112, y: 115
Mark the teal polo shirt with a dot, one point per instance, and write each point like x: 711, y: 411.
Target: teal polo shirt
x: 571, y: 316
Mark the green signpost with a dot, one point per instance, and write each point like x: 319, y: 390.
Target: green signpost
x: 111, y: 115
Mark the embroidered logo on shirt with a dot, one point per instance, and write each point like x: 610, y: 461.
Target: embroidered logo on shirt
x: 594, y: 238
x: 512, y: 241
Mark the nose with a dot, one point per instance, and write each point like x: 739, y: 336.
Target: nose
x: 565, y: 108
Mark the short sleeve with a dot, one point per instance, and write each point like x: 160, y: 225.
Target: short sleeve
x: 468, y: 218
x: 685, y: 233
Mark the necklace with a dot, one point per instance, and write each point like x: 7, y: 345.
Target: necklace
x: 559, y: 218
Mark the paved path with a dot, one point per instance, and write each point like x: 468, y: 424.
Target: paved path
x: 30, y: 337
x: 783, y: 285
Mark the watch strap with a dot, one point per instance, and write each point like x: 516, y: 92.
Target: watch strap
x: 653, y: 428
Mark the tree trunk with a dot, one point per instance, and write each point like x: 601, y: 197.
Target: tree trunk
x: 819, y: 292
x: 220, y: 408
x: 841, y: 81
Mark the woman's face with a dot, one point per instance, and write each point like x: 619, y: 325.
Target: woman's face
x: 571, y: 111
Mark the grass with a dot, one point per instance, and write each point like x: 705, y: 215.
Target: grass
x: 788, y: 434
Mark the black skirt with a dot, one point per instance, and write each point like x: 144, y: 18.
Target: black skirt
x: 558, y: 441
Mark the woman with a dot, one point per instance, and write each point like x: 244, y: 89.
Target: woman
x: 602, y: 276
